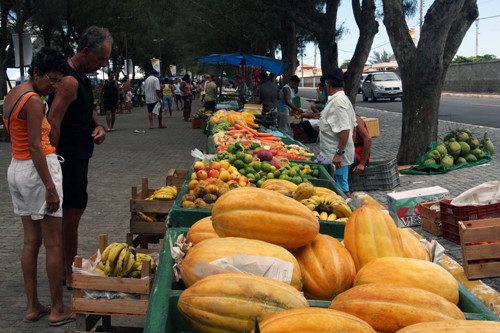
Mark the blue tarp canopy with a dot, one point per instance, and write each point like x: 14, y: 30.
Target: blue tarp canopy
x: 269, y: 64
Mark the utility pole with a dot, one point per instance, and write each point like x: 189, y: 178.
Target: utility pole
x: 20, y: 35
x: 314, y: 68
x: 421, y: 16
x: 477, y: 35
x: 302, y: 68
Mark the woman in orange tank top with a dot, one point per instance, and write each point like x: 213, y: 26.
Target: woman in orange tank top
x: 35, y: 182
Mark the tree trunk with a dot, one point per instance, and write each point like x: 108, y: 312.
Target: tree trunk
x: 368, y: 28
x: 289, y: 47
x: 423, y: 68
x: 329, y: 52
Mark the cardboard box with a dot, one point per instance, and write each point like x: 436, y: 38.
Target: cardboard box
x: 372, y: 125
x: 480, y: 242
x: 404, y: 206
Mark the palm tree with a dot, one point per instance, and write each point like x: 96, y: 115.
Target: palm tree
x: 379, y: 57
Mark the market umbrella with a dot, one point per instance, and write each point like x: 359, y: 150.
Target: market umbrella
x: 269, y: 64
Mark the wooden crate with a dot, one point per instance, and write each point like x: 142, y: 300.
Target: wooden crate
x: 89, y: 311
x: 176, y: 177
x: 372, y: 125
x: 480, y: 242
x: 431, y: 218
x: 138, y: 203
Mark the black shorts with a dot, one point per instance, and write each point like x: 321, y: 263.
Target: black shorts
x: 110, y: 105
x: 210, y: 105
x: 178, y: 97
x: 186, y: 98
x: 74, y: 172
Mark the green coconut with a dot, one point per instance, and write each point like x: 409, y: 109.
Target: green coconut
x: 447, y: 161
x: 464, y: 148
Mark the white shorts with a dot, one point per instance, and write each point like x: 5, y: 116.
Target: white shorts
x: 28, y: 190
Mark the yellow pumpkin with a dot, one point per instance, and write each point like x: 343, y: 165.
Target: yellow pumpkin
x: 217, y: 248
x: 412, y: 273
x: 454, y: 326
x: 313, y: 320
x: 327, y: 266
x: 371, y: 233
x: 256, y: 213
x: 412, y: 246
x: 201, y: 230
x: 389, y: 307
x: 231, y: 302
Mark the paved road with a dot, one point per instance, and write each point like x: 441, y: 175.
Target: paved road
x: 482, y: 111
x: 125, y: 157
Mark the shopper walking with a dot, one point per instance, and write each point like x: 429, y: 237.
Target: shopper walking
x: 75, y: 130
x: 109, y: 95
x: 152, y: 90
x: 168, y: 96
x: 178, y: 97
x: 35, y: 183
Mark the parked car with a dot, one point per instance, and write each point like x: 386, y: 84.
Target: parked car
x: 363, y: 77
x: 381, y: 85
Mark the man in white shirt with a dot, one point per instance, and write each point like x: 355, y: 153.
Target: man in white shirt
x: 152, y: 91
x: 336, y: 127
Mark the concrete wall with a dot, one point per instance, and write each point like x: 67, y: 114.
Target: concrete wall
x: 475, y: 77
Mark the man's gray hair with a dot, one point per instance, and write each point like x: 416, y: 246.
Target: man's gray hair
x: 93, y: 38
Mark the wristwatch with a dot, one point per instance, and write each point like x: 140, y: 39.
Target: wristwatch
x: 340, y: 151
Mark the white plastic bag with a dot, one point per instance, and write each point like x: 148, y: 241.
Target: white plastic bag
x: 157, y: 109
x: 484, y: 194
x: 196, y: 153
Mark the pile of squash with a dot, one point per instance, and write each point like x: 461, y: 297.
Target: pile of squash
x: 380, y: 281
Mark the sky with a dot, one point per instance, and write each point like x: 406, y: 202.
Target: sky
x: 488, y: 38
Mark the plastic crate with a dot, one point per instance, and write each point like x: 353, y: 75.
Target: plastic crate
x: 450, y: 215
x: 168, y: 319
x: 378, y: 175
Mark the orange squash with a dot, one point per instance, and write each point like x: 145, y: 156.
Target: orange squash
x: 312, y: 320
x: 412, y: 273
x: 412, y: 246
x: 327, y: 266
x: 230, y: 302
x: 388, y: 307
x: 371, y: 233
x: 201, y: 230
x: 454, y: 326
x: 217, y: 248
x: 256, y: 213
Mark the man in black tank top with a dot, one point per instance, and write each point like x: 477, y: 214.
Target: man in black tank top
x: 109, y: 96
x: 75, y: 130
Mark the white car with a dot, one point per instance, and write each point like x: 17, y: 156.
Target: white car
x: 381, y: 85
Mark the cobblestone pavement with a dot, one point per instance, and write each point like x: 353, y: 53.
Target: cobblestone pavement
x: 126, y: 156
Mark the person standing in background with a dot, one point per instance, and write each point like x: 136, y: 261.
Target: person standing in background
x: 268, y: 95
x: 336, y: 128
x: 168, y: 97
x: 178, y: 97
x: 186, y: 96
x: 75, y: 130
x: 210, y: 94
x: 286, y: 106
x: 241, y: 88
x: 152, y: 89
x: 109, y: 96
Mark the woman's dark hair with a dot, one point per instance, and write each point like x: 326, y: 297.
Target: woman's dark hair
x: 49, y: 60
x: 186, y: 78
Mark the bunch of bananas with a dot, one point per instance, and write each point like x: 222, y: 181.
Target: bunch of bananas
x: 152, y: 217
x: 120, y: 260
x: 328, y: 205
x: 164, y: 193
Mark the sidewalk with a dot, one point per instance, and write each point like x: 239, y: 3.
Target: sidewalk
x: 125, y: 157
